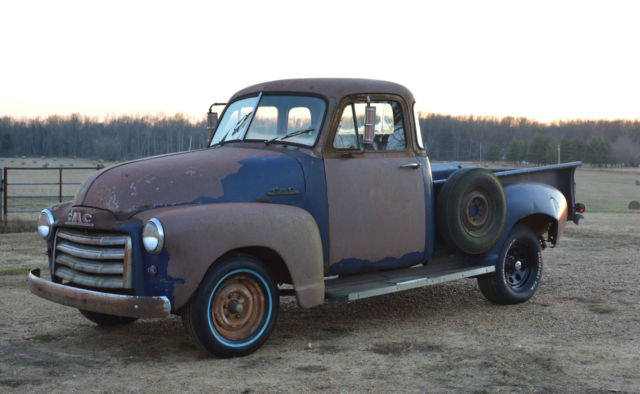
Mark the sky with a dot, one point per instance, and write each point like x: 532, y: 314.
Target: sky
x: 545, y: 60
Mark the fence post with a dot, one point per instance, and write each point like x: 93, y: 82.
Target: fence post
x: 60, y: 185
x: 4, y: 194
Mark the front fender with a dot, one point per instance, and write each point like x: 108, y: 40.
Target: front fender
x: 525, y: 200
x: 196, y: 236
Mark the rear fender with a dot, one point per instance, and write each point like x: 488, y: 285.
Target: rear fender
x: 530, y: 203
x: 197, y: 236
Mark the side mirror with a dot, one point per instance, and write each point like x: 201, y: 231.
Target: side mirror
x: 369, y: 124
x: 212, y: 120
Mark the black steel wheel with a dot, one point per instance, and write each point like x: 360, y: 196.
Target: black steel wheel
x: 103, y: 319
x: 518, y: 269
x: 471, y: 210
x: 234, y: 310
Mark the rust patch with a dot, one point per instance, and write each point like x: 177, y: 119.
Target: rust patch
x: 165, y: 181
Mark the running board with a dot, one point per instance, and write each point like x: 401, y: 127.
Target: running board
x: 356, y: 287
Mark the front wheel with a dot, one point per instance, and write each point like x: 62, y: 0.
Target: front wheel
x: 518, y: 269
x: 234, y: 310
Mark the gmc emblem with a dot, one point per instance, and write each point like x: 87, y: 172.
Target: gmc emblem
x: 80, y: 218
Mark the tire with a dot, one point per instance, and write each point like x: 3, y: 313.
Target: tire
x: 512, y: 283
x: 240, y: 326
x: 471, y: 210
x: 102, y: 319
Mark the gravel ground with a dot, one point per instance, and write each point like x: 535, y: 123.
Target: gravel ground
x: 580, y: 332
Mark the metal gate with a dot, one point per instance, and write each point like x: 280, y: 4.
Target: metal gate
x: 37, y: 190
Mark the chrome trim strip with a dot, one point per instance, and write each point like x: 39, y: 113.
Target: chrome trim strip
x: 110, y: 282
x: 100, y: 240
x: 90, y: 266
x: 91, y: 253
x: 127, y: 266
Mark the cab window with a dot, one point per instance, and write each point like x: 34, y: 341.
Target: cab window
x: 389, y: 134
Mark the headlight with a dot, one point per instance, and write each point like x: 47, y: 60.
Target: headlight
x: 153, y: 236
x: 45, y: 223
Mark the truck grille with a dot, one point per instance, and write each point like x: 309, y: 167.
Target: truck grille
x: 99, y: 260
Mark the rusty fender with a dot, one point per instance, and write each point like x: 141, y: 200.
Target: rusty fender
x: 197, y: 236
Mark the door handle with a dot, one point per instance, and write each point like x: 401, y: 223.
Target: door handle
x: 410, y: 165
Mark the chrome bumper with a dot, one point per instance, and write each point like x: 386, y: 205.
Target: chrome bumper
x: 95, y: 301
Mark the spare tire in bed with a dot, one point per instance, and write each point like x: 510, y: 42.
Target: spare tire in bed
x: 471, y: 210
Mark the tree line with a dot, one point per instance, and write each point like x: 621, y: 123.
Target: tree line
x: 597, y: 142
x: 462, y: 138
x: 115, y: 138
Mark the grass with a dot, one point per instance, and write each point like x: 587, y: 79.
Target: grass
x: 602, y: 309
x: 14, y: 271
x: 17, y: 226
x: 44, y: 338
x: 607, y: 191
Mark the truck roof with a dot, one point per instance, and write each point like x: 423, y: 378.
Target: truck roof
x: 335, y: 88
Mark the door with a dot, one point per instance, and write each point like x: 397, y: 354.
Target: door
x: 375, y: 193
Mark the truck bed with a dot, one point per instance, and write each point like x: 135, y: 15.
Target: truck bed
x: 560, y: 176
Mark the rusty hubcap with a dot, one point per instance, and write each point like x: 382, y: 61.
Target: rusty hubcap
x: 477, y: 210
x: 238, y: 307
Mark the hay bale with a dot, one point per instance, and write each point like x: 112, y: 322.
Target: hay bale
x: 634, y: 205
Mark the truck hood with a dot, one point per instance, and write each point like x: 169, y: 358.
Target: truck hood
x: 222, y: 174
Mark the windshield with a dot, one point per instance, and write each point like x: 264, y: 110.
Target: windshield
x: 276, y: 116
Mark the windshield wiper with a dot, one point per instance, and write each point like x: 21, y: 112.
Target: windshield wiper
x: 236, y: 127
x: 288, y: 135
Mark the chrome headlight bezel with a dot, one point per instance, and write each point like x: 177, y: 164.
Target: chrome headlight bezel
x: 45, y: 223
x: 153, y: 236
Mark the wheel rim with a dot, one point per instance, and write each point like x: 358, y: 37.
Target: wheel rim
x: 238, y: 307
x: 517, y: 267
x: 478, y: 207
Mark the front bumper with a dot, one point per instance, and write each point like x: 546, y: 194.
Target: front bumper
x: 95, y: 301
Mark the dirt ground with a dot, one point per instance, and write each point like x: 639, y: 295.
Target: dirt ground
x: 580, y: 332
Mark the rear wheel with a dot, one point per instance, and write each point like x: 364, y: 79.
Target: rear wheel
x: 518, y: 269
x: 234, y: 310
x: 103, y: 319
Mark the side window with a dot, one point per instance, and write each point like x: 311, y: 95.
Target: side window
x: 346, y: 134
x: 389, y: 132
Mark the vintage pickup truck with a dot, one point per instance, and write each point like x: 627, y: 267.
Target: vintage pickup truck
x: 318, y: 188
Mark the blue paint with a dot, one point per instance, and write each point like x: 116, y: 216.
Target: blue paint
x: 259, y: 175
x: 255, y: 337
x: 430, y: 201
x: 251, y: 183
x: 145, y: 284
x: 355, y: 265
x: 523, y: 199
x: 314, y: 199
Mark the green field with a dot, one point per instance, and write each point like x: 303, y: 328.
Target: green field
x: 607, y: 191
